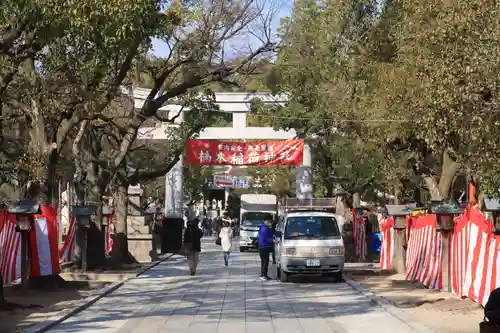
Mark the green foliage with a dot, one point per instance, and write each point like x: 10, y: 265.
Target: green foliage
x: 89, y: 52
x: 314, y: 69
x: 65, y: 62
x: 395, y: 92
x: 194, y: 182
x: 440, y: 84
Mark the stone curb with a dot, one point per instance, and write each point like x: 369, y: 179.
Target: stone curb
x: 388, y: 306
x: 80, y: 305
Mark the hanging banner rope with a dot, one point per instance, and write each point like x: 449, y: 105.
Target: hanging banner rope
x: 259, y: 153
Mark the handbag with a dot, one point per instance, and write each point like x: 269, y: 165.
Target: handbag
x: 218, y: 241
x: 185, y: 249
x: 487, y: 327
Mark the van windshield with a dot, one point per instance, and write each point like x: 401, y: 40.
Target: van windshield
x: 255, y: 219
x: 311, y: 227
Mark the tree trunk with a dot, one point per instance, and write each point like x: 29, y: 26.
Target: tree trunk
x: 417, y: 197
x: 80, y: 198
x: 448, y: 172
x: 356, y: 199
x: 95, y: 234
x: 329, y: 189
x: 432, y: 186
x: 441, y: 191
x: 328, y: 173
x: 119, y: 253
x: 397, y: 193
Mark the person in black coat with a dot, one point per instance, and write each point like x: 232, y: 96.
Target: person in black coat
x: 192, y: 244
x: 492, y: 308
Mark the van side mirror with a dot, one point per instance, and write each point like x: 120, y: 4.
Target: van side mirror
x: 277, y: 234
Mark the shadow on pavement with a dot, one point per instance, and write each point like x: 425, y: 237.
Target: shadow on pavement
x: 215, y: 293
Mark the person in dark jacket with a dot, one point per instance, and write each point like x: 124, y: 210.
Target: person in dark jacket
x: 266, y: 244
x: 192, y: 243
x: 492, y: 308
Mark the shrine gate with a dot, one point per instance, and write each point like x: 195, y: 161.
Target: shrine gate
x: 238, y: 104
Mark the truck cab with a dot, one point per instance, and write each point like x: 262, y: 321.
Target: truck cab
x: 249, y: 229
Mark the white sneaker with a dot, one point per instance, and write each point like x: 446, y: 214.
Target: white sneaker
x: 263, y: 278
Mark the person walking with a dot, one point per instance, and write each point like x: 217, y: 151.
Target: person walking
x: 214, y: 230
x: 192, y: 244
x: 266, y: 244
x: 226, y: 237
x: 205, y: 226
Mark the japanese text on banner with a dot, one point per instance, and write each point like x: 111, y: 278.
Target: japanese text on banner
x: 272, y: 153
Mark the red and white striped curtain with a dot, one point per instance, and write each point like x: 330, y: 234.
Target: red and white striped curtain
x: 359, y: 237
x: 387, y: 250
x: 424, y: 253
x: 108, y: 232
x: 10, y: 249
x: 43, y: 244
x: 67, y: 252
x: 474, y: 259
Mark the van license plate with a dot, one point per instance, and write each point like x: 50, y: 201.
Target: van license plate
x: 312, y: 263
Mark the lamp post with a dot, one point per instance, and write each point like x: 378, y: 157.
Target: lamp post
x: 445, y: 211
x: 493, y: 206
x: 82, y: 215
x: 400, y: 213
x: 24, y: 210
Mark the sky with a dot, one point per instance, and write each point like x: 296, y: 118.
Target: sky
x: 283, y: 9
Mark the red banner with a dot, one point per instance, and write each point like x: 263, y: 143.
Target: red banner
x: 262, y: 153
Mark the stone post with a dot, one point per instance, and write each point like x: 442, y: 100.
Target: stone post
x: 398, y: 264
x: 445, y: 227
x: 134, y: 200
x: 141, y: 244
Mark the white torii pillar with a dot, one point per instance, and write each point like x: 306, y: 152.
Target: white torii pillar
x: 238, y: 104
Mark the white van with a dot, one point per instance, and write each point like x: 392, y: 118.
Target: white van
x: 309, y: 242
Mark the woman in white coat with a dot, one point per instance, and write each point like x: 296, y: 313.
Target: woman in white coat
x: 226, y: 239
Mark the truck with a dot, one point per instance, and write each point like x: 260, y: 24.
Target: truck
x: 255, y: 208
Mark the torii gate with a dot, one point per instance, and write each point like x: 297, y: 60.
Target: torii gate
x: 238, y: 104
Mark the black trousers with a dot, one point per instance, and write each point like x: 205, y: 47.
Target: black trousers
x: 264, y: 260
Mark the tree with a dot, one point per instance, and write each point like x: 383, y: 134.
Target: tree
x: 74, y: 79
x: 197, y: 59
x: 314, y: 69
x: 438, y: 84
x: 405, y: 84
x: 28, y: 28
x: 194, y: 182
x: 76, y: 76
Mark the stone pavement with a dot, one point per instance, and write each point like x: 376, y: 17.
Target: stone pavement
x: 230, y: 299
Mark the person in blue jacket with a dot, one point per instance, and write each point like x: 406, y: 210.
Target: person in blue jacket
x: 266, y: 245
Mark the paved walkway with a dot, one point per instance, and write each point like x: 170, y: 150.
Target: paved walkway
x: 230, y: 299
